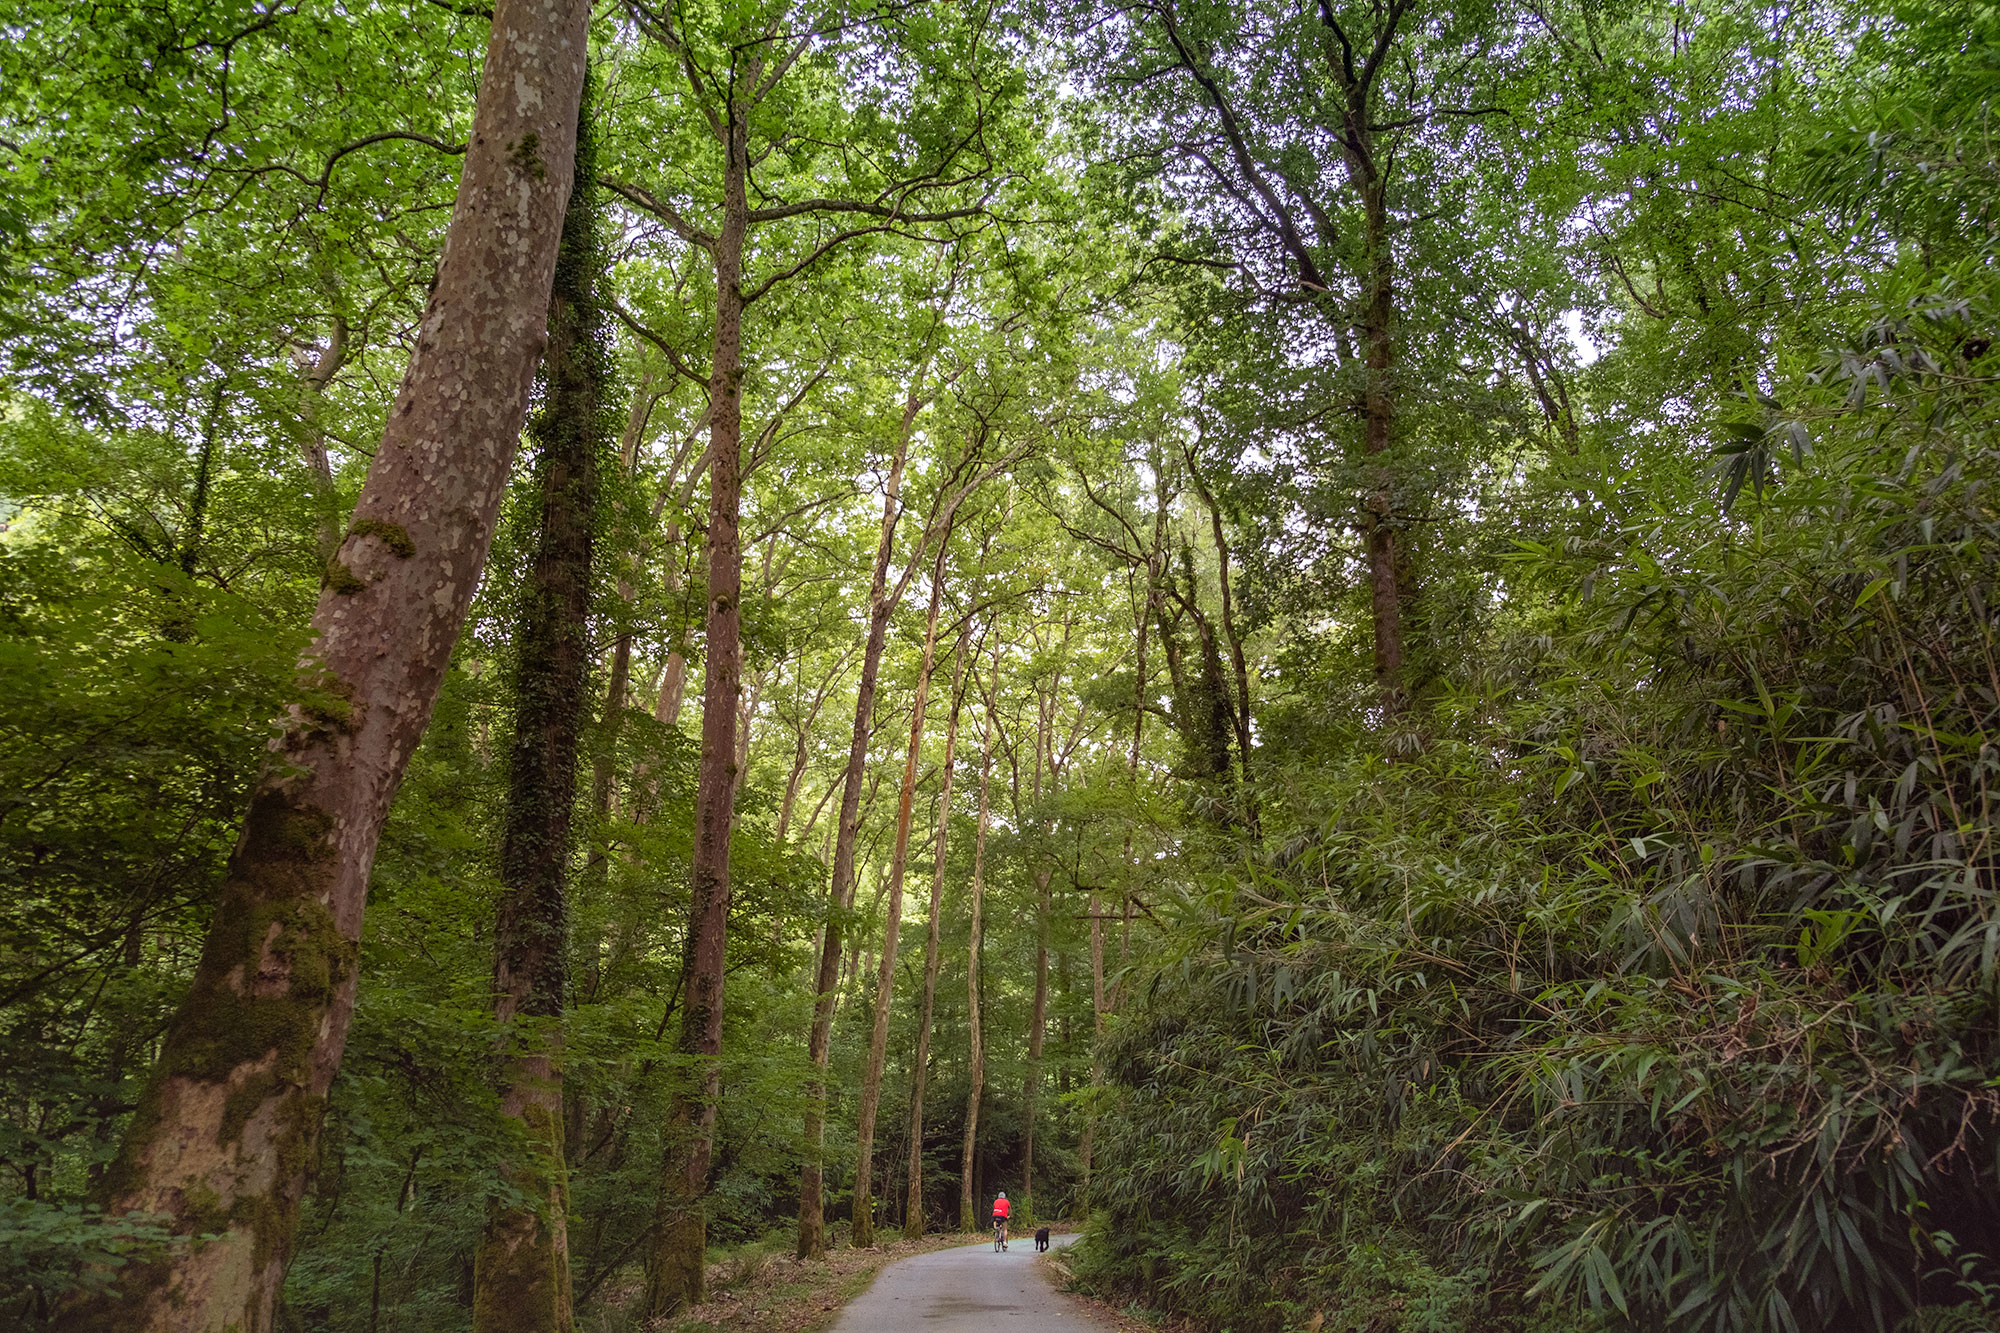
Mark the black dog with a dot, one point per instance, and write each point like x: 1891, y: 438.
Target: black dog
x: 1041, y: 1239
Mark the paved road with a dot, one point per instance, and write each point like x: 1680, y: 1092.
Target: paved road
x: 967, y: 1290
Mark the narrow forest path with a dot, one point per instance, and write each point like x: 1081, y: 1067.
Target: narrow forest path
x: 968, y: 1289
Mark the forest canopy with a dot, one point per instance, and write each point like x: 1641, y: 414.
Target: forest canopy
x: 1350, y: 643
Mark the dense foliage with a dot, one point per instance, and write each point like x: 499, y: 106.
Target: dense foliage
x: 1464, y: 541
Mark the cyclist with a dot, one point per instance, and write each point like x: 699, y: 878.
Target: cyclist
x: 1001, y: 1209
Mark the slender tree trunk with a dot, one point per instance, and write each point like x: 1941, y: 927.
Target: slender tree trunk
x: 1045, y: 706
x: 840, y: 893
x: 1378, y: 407
x: 226, y: 1129
x: 1089, y: 1138
x: 1065, y: 1029
x: 677, y: 1273
x: 1037, y: 1034
x: 885, y: 974
x: 1159, y: 569
x: 745, y: 715
x: 319, y: 371
x: 858, y: 962
x: 913, y: 1208
x: 1240, y: 714
x: 673, y: 686
x: 618, y: 683
x: 801, y: 752
x: 195, y: 532
x: 1098, y: 997
x: 521, y: 1269
x: 968, y: 1216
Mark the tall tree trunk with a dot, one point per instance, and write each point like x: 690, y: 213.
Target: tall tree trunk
x: 677, y: 1273
x: 1045, y: 707
x: 521, y: 1269
x: 913, y: 1208
x: 1378, y: 406
x: 840, y: 893
x: 226, y: 1128
x: 885, y: 973
x: 968, y: 1216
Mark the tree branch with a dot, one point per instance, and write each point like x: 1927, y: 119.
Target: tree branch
x: 666, y: 213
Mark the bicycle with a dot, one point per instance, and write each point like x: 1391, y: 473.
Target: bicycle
x: 999, y: 1234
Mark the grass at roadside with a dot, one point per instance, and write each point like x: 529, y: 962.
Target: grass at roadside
x: 1127, y: 1318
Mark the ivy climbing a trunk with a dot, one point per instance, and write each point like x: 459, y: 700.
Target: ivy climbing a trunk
x: 521, y: 1270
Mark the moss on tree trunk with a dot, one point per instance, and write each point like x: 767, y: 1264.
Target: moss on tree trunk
x: 225, y: 1131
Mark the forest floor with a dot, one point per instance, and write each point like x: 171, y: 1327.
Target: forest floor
x: 761, y: 1288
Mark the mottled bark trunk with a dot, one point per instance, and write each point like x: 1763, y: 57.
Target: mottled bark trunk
x: 885, y: 969
x: 521, y: 1268
x: 676, y: 1274
x: 968, y: 1214
x: 225, y: 1130
x: 840, y: 892
x: 913, y: 1209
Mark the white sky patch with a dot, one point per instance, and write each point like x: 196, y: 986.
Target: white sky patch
x: 1586, y: 350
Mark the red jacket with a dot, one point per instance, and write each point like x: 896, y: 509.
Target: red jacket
x: 1001, y: 1208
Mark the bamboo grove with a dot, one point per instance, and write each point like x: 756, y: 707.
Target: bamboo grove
x: 1352, y: 644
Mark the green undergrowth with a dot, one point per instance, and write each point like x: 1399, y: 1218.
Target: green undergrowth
x: 1649, y: 979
